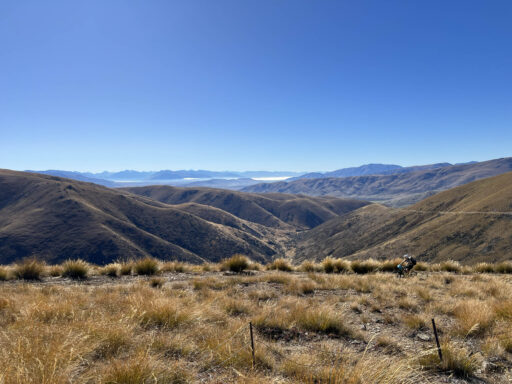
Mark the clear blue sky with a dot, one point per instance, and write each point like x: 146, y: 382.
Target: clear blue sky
x: 276, y: 85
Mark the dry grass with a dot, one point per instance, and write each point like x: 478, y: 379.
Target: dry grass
x: 4, y: 274
x: 177, y: 266
x: 236, y: 263
x: 280, y: 265
x: 111, y: 270
x: 457, y: 360
x: 29, y: 269
x: 147, y: 266
x: 75, y: 269
x: 309, y: 327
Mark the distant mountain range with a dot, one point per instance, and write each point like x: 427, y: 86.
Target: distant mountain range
x: 402, y: 187
x: 225, y: 179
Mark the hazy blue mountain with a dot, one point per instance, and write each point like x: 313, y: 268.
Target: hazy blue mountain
x: 369, y: 169
x: 76, y: 176
x: 234, y: 184
x: 196, y: 174
x: 122, y: 175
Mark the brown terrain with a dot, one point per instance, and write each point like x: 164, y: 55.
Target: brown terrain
x: 56, y: 218
x: 398, y: 189
x: 190, y: 324
x: 470, y: 223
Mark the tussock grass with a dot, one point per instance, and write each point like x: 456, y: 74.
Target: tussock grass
x: 329, y: 328
x: 234, y: 307
x: 29, y: 269
x: 236, y: 263
x: 299, y: 286
x: 165, y: 314
x: 111, y: 270
x: 179, y: 267
x: 503, y: 267
x: 365, y: 266
x: 456, y: 360
x: 450, y: 266
x: 415, y: 322
x: 421, y: 266
x: 143, y: 369
x: 75, y: 269
x: 146, y: 266
x: 54, y: 270
x: 309, y: 266
x: 126, y: 269
x: 5, y: 274
x: 328, y: 265
x: 280, y: 265
x: 483, y: 268
x: 473, y: 317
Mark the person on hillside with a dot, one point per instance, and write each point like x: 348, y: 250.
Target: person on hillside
x: 407, y: 264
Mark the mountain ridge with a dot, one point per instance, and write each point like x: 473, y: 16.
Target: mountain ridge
x: 397, y: 189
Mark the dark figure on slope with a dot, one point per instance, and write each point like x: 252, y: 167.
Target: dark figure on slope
x: 406, y: 265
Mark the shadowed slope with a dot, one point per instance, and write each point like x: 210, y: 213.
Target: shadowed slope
x: 468, y: 223
x: 57, y: 219
x: 271, y: 210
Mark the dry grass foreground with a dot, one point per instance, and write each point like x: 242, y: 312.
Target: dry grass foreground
x: 189, y: 324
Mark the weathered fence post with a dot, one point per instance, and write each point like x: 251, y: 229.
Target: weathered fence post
x: 437, y: 340
x: 252, y: 345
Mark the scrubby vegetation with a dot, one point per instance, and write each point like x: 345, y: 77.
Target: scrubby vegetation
x: 146, y: 266
x: 236, y: 263
x: 29, y: 269
x: 335, y: 321
x: 75, y: 269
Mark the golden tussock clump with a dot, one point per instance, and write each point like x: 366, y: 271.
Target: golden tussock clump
x: 308, y: 327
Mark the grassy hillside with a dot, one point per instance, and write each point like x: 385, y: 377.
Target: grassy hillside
x: 272, y: 210
x: 468, y: 223
x: 56, y: 218
x: 397, y: 189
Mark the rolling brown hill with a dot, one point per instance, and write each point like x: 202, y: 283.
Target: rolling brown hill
x: 56, y: 218
x: 472, y: 222
x: 397, y: 190
x: 272, y: 210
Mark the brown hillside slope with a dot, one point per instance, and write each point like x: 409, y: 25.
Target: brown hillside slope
x: 272, y: 210
x: 397, y: 189
x: 57, y: 218
x: 468, y: 223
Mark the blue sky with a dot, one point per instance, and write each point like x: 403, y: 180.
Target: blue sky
x: 274, y: 85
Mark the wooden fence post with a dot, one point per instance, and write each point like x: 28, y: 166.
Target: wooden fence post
x: 437, y: 340
x: 252, y: 345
